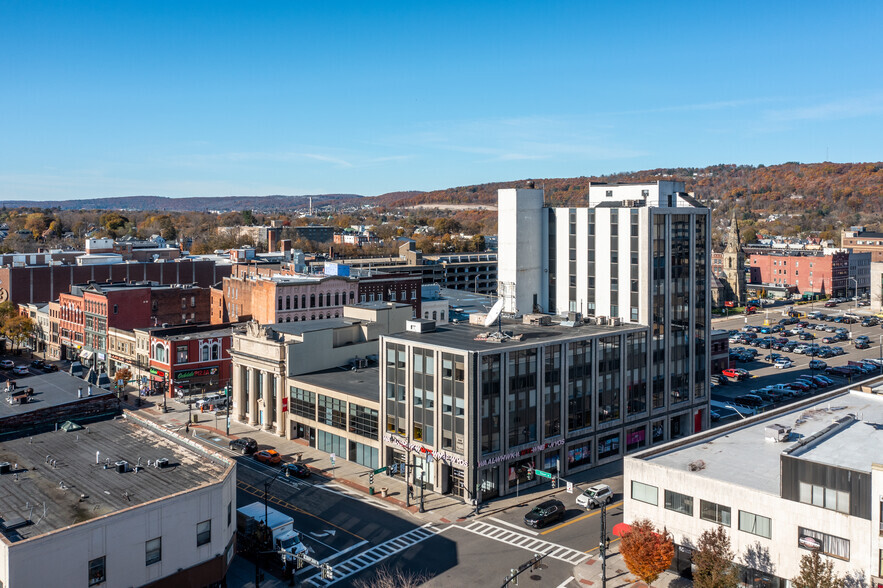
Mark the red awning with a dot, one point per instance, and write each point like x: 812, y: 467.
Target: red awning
x: 620, y: 529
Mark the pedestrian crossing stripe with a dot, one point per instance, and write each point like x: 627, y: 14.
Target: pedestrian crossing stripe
x: 532, y: 544
x: 375, y: 555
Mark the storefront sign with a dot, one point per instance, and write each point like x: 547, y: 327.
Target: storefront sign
x: 810, y: 543
x: 197, y: 373
x: 156, y: 372
x: 523, y: 452
x: 446, y: 457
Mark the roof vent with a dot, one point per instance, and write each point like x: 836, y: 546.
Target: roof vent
x: 122, y: 466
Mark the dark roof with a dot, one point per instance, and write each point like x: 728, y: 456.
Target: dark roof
x: 52, y: 389
x: 462, y: 336
x: 50, y: 493
x: 362, y: 383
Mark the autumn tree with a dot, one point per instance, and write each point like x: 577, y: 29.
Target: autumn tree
x: 647, y: 552
x: 713, y: 561
x: 124, y: 374
x: 36, y: 224
x: 816, y: 573
x: 18, y: 328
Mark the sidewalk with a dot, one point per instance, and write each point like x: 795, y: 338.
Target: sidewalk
x: 588, y: 573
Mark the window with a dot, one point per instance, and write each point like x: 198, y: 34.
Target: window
x: 364, y: 421
x: 679, y: 502
x: 645, y: 493
x: 716, y: 513
x: 332, y: 411
x: 116, y: 309
x: 825, y: 497
x: 229, y: 513
x: 97, y: 571
x: 830, y: 545
x: 755, y: 524
x: 205, y: 353
x: 182, y: 354
x: 302, y: 403
x: 203, y: 532
x: 154, y: 551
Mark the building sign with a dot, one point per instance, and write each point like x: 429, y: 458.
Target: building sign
x: 197, y: 373
x: 446, y: 457
x: 810, y: 543
x: 523, y: 452
x: 156, y: 372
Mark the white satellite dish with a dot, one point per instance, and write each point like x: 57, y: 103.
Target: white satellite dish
x: 494, y: 313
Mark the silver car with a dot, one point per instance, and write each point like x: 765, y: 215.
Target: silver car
x: 595, y: 496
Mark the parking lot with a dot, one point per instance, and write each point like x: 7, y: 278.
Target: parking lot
x: 762, y: 371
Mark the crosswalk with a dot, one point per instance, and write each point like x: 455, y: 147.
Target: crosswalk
x: 375, y: 555
x: 532, y: 544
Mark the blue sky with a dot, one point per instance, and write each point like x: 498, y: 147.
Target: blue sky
x: 102, y: 99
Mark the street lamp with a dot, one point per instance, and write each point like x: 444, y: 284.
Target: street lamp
x: 855, y: 290
x: 736, y: 410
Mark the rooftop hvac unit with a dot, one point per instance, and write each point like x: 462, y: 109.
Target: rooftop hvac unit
x: 601, y: 320
x: 615, y: 321
x: 162, y: 462
x: 122, y: 466
x: 5, y: 468
x: 777, y: 433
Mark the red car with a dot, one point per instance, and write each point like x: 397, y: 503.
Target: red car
x: 268, y: 456
x: 737, y: 373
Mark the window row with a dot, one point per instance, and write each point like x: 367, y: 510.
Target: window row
x: 298, y: 303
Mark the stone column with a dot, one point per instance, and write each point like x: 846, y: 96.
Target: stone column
x: 281, y: 392
x: 239, y: 385
x: 268, y: 401
x: 252, y: 375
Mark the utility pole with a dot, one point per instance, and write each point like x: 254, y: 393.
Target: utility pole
x: 603, y: 547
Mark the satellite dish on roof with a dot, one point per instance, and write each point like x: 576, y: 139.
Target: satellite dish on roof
x: 494, y: 313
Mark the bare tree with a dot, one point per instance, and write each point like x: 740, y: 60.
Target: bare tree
x: 387, y: 577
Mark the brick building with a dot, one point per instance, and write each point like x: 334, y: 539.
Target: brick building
x: 809, y: 271
x: 43, y: 283
x: 189, y: 359
x: 859, y: 240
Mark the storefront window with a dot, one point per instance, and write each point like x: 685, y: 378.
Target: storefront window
x: 521, y: 472
x: 608, y: 446
x: 636, y: 438
x: 579, y: 454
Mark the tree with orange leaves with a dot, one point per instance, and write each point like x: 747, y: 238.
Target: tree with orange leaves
x: 646, y: 551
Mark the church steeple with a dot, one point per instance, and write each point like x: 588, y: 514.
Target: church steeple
x: 734, y: 239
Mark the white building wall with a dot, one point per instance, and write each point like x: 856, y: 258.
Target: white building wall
x: 876, y: 286
x: 786, y: 516
x: 562, y: 248
x: 520, y: 231
x: 62, y: 558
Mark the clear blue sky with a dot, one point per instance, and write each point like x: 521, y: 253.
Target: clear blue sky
x: 177, y: 98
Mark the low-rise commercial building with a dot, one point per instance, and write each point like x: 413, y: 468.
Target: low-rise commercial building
x: 119, y: 503
x: 801, y: 478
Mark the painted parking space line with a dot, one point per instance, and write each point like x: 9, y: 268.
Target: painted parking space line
x: 585, y: 516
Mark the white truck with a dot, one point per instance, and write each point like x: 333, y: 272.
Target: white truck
x: 285, y: 540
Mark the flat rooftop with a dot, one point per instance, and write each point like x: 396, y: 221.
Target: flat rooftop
x: 51, y: 494
x: 462, y: 336
x: 743, y: 457
x: 362, y: 383
x: 52, y: 389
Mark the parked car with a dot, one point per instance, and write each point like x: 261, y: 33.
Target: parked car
x: 49, y: 367
x: 595, y: 496
x: 7, y: 364
x: 38, y: 363
x: 715, y: 415
x: 799, y: 386
x: 817, y: 364
x: 298, y: 470
x: 21, y: 370
x: 830, y: 304
x: 737, y: 373
x: 750, y: 400
x: 783, y: 363
x: 244, y: 445
x: 268, y: 456
x: 838, y: 350
x: 544, y: 513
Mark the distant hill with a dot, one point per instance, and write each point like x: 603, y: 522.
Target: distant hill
x: 196, y: 204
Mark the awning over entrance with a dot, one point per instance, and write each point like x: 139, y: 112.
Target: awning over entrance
x: 620, y: 529
x: 86, y: 355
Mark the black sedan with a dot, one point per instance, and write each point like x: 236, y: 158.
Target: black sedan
x: 296, y: 469
x: 244, y: 445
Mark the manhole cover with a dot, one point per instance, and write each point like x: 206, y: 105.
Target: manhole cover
x: 536, y: 578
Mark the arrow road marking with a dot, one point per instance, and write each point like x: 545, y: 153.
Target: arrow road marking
x: 331, y: 532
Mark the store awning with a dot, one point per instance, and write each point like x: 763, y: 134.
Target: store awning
x: 86, y: 354
x: 620, y: 529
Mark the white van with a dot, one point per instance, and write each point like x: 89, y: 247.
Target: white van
x: 211, y: 400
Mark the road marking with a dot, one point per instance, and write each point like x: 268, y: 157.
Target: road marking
x: 534, y: 533
x: 554, y: 550
x: 565, y: 582
x: 612, y: 541
x: 246, y: 487
x: 585, y: 516
x: 375, y: 555
x: 348, y: 549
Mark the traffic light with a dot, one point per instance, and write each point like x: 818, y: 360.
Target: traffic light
x: 514, y: 576
x: 300, y: 562
x: 371, y: 479
x: 536, y: 562
x: 327, y: 572
x: 554, y: 482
